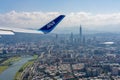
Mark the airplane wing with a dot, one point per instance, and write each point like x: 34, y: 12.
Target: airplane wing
x: 6, y: 32
x: 44, y: 30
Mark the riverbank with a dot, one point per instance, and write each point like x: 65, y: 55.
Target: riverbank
x: 4, y: 65
x: 27, y: 64
x: 18, y: 74
x: 10, y: 72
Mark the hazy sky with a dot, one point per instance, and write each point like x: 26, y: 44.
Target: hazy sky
x: 64, y: 6
x: 99, y: 15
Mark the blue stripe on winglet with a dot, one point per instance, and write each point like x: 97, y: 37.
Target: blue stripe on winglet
x: 51, y: 25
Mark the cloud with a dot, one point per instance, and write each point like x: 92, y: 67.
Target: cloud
x: 90, y: 19
x: 37, y: 19
x: 26, y: 19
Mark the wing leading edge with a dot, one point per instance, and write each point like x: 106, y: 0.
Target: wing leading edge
x: 44, y: 30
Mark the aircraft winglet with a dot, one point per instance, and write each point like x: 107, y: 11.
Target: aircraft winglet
x: 51, y: 25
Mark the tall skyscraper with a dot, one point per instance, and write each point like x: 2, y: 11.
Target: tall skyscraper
x: 71, y: 37
x: 80, y: 31
x: 80, y: 34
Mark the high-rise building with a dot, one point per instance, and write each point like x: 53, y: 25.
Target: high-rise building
x: 56, y: 36
x: 80, y: 34
x: 71, y: 38
x: 80, y: 31
x: 84, y: 42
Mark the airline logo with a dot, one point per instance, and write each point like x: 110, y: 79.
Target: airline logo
x: 50, y: 24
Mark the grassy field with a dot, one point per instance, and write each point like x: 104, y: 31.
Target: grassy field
x: 8, y: 62
x: 11, y: 60
x: 35, y: 57
x: 29, y: 63
x: 18, y: 74
x: 2, y: 68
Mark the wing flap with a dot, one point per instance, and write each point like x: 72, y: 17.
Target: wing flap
x: 6, y: 32
x: 27, y: 31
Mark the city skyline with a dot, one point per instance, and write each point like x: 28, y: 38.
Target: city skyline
x: 84, y: 46
x: 64, y: 55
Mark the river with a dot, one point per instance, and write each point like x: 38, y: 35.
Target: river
x: 9, y: 73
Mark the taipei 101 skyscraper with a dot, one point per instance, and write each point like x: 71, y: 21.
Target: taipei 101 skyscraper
x: 80, y: 34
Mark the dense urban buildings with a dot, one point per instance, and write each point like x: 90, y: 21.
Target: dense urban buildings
x: 63, y: 57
